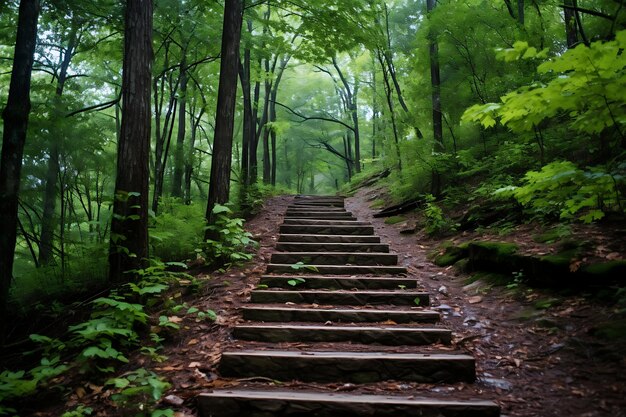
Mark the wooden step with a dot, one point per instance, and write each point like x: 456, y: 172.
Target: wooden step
x: 357, y: 298
x: 338, y: 215
x: 384, y: 335
x: 335, y: 258
x: 338, y: 282
x: 332, y: 247
x: 326, y: 229
x: 302, y: 238
x: 324, y: 222
x: 317, y: 204
x: 337, y: 315
x: 283, y: 403
x: 356, y: 367
x: 327, y: 209
x: 337, y: 269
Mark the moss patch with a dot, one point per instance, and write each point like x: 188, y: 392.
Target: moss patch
x: 377, y: 204
x: 394, y: 220
x: 452, y: 255
x: 497, y: 248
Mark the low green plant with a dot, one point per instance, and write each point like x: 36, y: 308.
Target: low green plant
x: 434, y: 220
x: 296, y: 281
x: 301, y: 265
x: 234, y: 242
x: 561, y: 189
x: 139, y: 391
x: 80, y: 411
x: 18, y: 384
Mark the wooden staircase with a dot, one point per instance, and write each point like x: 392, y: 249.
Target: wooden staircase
x: 336, y: 289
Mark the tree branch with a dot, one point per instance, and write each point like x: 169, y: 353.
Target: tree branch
x: 587, y: 11
x: 307, y: 118
x: 100, y: 106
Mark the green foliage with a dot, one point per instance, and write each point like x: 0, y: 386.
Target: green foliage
x: 234, y: 242
x: 434, y: 220
x: 586, y: 84
x: 18, y: 384
x: 301, y: 265
x: 139, y: 391
x: 177, y: 231
x: 562, y: 189
x: 296, y: 281
x: 79, y: 411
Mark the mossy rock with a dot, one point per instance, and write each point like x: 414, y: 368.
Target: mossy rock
x: 607, y: 271
x: 452, y: 255
x: 394, y: 220
x: 493, y: 256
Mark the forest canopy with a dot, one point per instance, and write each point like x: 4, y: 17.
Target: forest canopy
x: 477, y: 100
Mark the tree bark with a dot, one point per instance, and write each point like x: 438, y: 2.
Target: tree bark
x: 129, y: 226
x: 571, y: 28
x: 46, y: 243
x: 179, y: 159
x: 219, y: 186
x: 15, y: 117
x: 435, y: 80
x: 520, y: 12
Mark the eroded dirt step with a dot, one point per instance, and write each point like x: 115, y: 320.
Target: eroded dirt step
x: 337, y: 269
x: 279, y: 403
x: 356, y: 367
x: 337, y: 315
x: 383, y: 335
x: 324, y: 222
x: 303, y: 238
x: 335, y: 258
x: 332, y: 247
x: 337, y: 283
x: 400, y: 298
x: 326, y: 229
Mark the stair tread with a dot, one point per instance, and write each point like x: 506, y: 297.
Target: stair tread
x: 349, y: 355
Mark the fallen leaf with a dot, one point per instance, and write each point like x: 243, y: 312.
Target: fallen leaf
x: 174, y: 319
x: 194, y: 365
x: 192, y: 342
x: 475, y: 300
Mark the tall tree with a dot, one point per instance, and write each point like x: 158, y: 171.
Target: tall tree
x: 219, y: 187
x: 129, y: 227
x: 435, y: 82
x: 15, y: 117
x: 67, y: 49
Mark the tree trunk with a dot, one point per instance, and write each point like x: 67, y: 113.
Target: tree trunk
x: 46, y: 243
x: 219, y: 186
x: 267, y: 163
x: 435, y: 80
x: 15, y: 117
x: 129, y: 226
x: 520, y: 12
x: 571, y: 28
x: 179, y: 159
x: 248, y: 126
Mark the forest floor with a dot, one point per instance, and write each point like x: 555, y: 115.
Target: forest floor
x: 538, y: 351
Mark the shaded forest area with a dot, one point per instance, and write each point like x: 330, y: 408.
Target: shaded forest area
x: 138, y: 135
